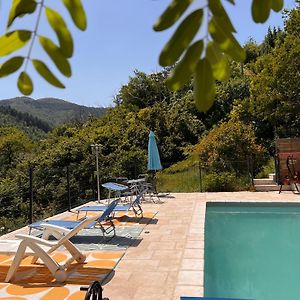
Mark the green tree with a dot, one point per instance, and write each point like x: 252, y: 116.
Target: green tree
x: 272, y: 38
x: 13, y: 145
x: 273, y: 105
x: 144, y: 90
x: 228, y: 146
x: 206, y: 62
x: 275, y: 86
x: 252, y: 51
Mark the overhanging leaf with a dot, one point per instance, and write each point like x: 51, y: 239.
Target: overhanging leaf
x: 60, y: 28
x: 277, y: 5
x: 19, y: 8
x: 13, y: 41
x: 204, y: 86
x: 173, y: 12
x: 11, y: 66
x: 220, y: 15
x: 44, y: 71
x: 218, y: 61
x: 55, y: 54
x: 77, y: 13
x: 186, y: 67
x: 181, y: 38
x: 25, y: 85
x: 260, y: 10
x: 226, y: 41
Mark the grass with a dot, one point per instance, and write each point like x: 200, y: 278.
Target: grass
x: 269, y: 168
x: 185, y: 177
x: 187, y: 180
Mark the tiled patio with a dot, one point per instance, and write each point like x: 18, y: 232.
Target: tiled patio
x: 168, y: 263
x: 167, y: 259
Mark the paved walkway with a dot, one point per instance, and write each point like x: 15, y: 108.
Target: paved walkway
x: 168, y: 263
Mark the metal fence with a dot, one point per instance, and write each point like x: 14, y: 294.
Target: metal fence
x: 39, y: 192
x: 201, y: 177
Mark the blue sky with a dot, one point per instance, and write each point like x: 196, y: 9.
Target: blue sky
x: 118, y: 40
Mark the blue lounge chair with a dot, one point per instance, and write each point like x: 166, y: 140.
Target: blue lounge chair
x: 104, y: 217
x: 135, y: 205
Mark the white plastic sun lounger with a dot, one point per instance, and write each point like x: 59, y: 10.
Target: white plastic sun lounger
x: 41, y: 248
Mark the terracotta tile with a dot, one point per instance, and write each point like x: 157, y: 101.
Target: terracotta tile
x: 169, y: 264
x: 167, y: 254
x: 138, y: 254
x: 190, y: 278
x: 193, y: 253
x: 195, y: 244
x: 153, y: 293
x: 119, y: 292
x: 188, y: 290
x: 121, y: 276
x: 162, y: 245
x: 195, y: 237
x: 146, y: 279
x: 192, y: 264
x: 135, y: 265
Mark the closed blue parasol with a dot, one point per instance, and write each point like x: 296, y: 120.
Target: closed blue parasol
x: 153, y: 154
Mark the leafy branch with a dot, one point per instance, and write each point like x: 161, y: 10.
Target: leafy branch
x: 59, y: 54
x: 206, y: 59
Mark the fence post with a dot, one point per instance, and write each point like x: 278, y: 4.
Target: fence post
x: 93, y: 186
x: 30, y: 193
x: 69, y: 188
x: 250, y: 168
x: 200, y: 177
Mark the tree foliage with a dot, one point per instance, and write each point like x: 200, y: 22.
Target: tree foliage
x: 229, y: 146
x: 273, y: 105
x: 13, y: 144
x: 206, y: 59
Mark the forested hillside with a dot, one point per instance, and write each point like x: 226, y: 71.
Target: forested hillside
x: 53, y: 111
x: 259, y: 102
x: 34, y: 127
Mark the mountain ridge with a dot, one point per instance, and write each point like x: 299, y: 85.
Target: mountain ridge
x: 54, y: 111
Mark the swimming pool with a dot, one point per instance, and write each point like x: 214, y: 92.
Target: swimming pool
x: 252, y: 251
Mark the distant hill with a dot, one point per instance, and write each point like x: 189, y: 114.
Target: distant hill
x: 53, y: 111
x: 33, y: 126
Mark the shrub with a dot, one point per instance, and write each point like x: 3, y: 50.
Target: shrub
x: 229, y: 146
x: 219, y: 182
x: 267, y: 169
x: 225, y: 182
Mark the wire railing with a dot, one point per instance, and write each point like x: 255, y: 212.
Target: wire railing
x: 202, y: 177
x: 39, y: 192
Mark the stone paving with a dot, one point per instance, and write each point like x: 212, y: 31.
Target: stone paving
x: 165, y: 259
x: 168, y: 262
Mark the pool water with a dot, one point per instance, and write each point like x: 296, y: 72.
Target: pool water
x: 252, y: 251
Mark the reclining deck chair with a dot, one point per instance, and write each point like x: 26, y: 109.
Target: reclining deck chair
x: 293, y: 176
x: 104, y: 217
x: 135, y: 205
x: 40, y: 248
